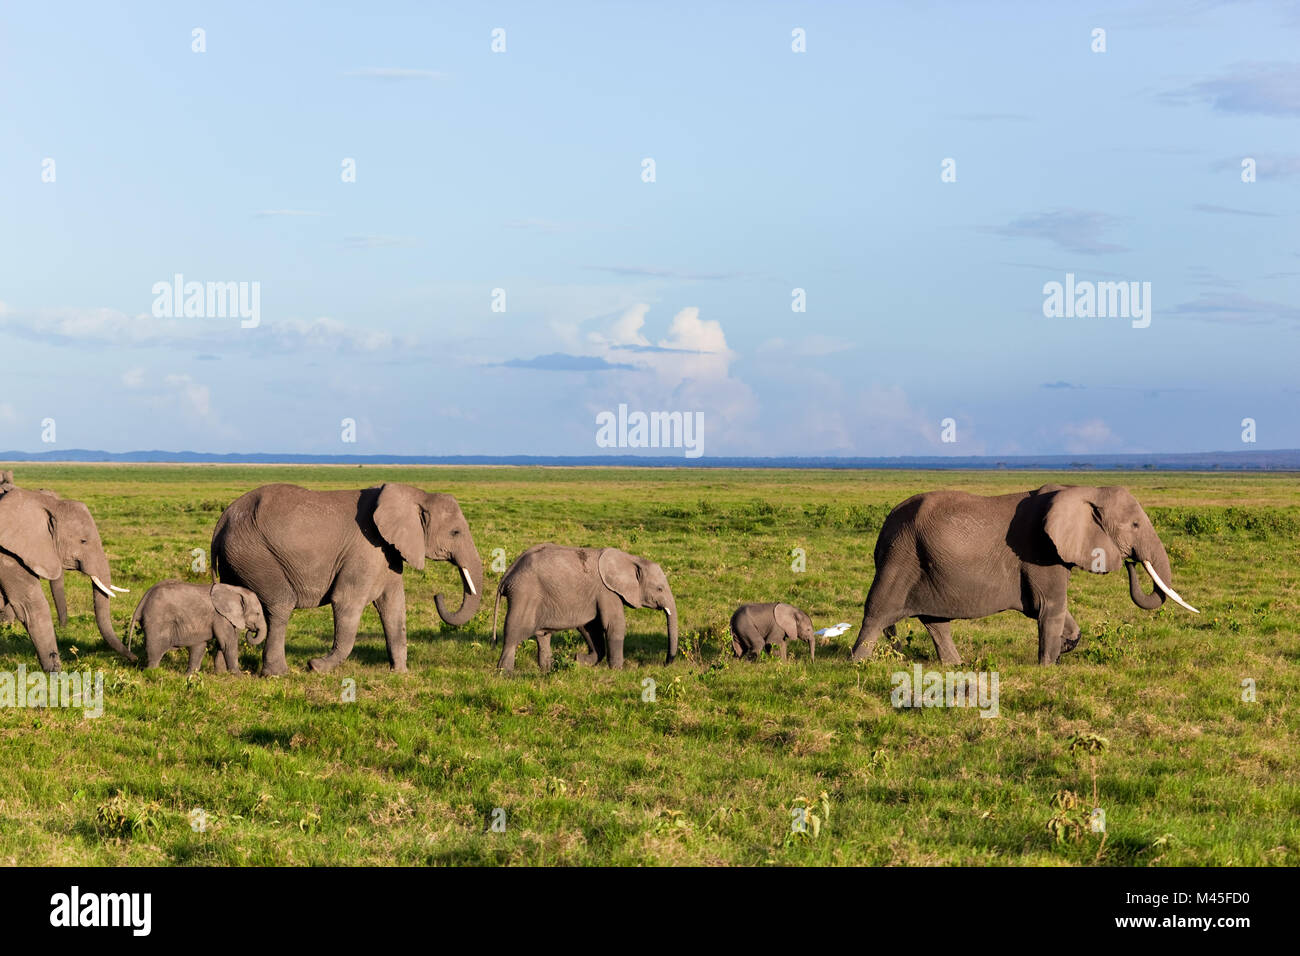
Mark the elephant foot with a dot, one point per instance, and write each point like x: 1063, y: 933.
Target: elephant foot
x: 398, y: 668
x: 323, y: 665
x: 589, y: 660
x: 275, y: 669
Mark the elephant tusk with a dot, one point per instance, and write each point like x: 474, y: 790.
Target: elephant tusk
x: 668, y: 611
x: 120, y: 590
x: 103, y: 587
x: 1169, y: 592
x: 469, y: 582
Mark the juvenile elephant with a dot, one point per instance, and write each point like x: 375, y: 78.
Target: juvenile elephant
x: 756, y: 627
x: 41, y: 536
x: 946, y: 555
x: 296, y: 548
x: 552, y: 588
x: 178, y: 614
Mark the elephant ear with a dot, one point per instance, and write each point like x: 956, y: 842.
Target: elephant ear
x: 621, y: 574
x: 229, y: 603
x: 1073, y: 522
x: 786, y: 619
x: 27, y: 532
x: 399, y: 516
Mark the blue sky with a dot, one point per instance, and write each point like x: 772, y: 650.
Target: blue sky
x: 775, y: 170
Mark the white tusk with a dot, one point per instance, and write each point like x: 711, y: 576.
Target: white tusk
x: 100, y: 584
x: 668, y: 611
x: 1170, y: 592
x: 120, y: 590
x: 469, y: 582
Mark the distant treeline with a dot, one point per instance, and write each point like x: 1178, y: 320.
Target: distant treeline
x: 1278, y: 460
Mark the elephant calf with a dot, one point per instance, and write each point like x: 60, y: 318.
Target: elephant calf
x: 555, y: 588
x: 177, y: 614
x: 756, y: 627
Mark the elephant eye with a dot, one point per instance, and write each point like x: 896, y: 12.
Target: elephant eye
x: 1135, y: 524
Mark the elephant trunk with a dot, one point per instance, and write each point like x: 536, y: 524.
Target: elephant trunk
x: 105, y: 623
x: 471, y: 573
x: 670, y: 613
x: 1152, y: 550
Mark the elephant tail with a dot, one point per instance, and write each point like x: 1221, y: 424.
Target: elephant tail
x: 495, y: 605
x: 135, y: 616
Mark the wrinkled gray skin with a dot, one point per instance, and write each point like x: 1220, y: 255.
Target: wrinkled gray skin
x: 41, y: 537
x: 758, y: 627
x: 552, y: 588
x: 56, y: 585
x: 948, y: 555
x: 179, y: 614
x: 296, y: 548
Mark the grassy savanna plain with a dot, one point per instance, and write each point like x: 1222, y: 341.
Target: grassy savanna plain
x: 286, y: 771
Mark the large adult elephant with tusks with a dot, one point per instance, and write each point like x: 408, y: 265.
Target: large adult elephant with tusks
x: 41, y: 536
x: 296, y: 548
x: 948, y: 555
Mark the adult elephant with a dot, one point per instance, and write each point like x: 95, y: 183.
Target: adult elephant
x: 296, y: 548
x: 551, y: 587
x: 41, y: 536
x: 57, y: 590
x: 948, y: 555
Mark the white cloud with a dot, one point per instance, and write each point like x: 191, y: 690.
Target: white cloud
x: 1089, y: 436
x: 814, y: 346
x: 98, y: 327
x: 133, y: 377
x: 198, y: 397
x: 688, y: 369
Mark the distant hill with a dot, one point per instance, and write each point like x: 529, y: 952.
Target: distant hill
x: 1275, y: 460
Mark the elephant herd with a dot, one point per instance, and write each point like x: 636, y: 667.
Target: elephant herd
x: 940, y: 556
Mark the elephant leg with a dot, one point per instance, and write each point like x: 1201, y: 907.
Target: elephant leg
x: 60, y: 595
x: 594, y: 634
x: 1051, y: 630
x: 736, y: 647
x: 41, y: 630
x: 347, y: 618
x: 940, y: 631
x: 614, y: 633
x: 873, y: 625
x: 153, y: 651
x: 516, y: 632
x: 543, y: 651
x: 1070, y: 635
x: 197, y: 652
x: 391, y: 606
x: 225, y: 657
x: 277, y: 626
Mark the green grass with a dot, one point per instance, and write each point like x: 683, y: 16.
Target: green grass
x: 286, y: 772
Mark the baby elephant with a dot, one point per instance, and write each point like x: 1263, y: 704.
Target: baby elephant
x: 177, y: 614
x: 755, y: 627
